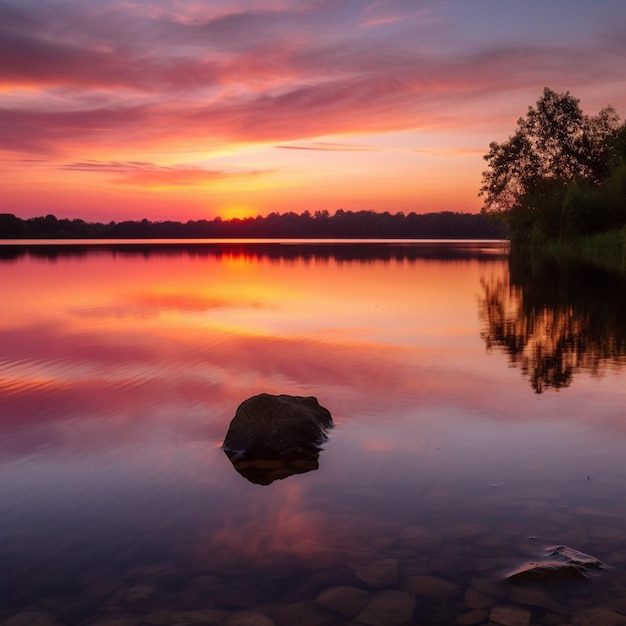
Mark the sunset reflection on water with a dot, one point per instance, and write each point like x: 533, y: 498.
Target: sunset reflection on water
x: 120, y: 373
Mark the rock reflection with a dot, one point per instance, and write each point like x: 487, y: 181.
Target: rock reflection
x: 264, y: 470
x: 555, y: 319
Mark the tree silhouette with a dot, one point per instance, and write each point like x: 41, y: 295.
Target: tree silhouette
x: 553, y: 147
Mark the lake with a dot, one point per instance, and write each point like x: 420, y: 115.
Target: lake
x: 479, y: 408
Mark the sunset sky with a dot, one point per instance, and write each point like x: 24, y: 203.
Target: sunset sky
x: 190, y: 109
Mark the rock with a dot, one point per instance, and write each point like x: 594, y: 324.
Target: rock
x: 472, y: 617
x: 274, y: 437
x: 31, y: 618
x: 476, y: 600
x: 115, y: 620
x: 545, y: 571
x: 201, y: 616
x: 379, y: 574
x: 555, y: 619
x: 303, y: 614
x: 347, y: 601
x: 599, y: 617
x: 277, y: 424
x: 510, y: 616
x: 248, y: 618
x: 429, y: 586
x: 386, y: 608
x: 569, y: 555
x: 561, y: 563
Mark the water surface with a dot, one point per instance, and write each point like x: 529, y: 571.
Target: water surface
x: 479, y: 418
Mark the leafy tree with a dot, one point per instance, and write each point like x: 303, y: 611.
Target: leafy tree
x: 553, y: 146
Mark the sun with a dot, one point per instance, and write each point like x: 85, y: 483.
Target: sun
x: 236, y: 212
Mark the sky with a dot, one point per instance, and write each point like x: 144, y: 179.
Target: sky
x: 193, y: 109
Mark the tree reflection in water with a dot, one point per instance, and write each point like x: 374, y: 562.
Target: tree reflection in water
x: 555, y: 318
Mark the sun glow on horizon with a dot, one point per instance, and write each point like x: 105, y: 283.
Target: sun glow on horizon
x: 237, y: 212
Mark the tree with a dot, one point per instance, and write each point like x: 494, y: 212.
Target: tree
x: 552, y: 146
x: 11, y: 227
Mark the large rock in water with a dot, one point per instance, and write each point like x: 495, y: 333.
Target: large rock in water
x: 562, y: 564
x: 273, y: 437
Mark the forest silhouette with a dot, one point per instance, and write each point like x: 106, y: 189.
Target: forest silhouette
x: 321, y: 224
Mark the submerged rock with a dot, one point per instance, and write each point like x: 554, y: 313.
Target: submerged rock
x: 533, y: 596
x: 575, y: 557
x: 561, y: 564
x: 273, y: 437
x: 472, y: 618
x: 200, y: 616
x: 303, y: 614
x: 599, y: 617
x: 114, y: 621
x: 31, y: 618
x: 379, y: 574
x: 347, y: 601
x: 510, y: 616
x: 249, y: 618
x: 386, y: 608
x: 430, y: 587
x: 474, y: 599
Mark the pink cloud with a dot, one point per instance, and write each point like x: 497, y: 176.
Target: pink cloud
x: 36, y: 131
x: 119, y: 79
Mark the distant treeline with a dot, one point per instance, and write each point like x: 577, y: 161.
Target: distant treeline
x: 321, y: 224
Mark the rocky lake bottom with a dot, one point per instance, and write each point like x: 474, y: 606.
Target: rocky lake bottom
x: 452, y: 571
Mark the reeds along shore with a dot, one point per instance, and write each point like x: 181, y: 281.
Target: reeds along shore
x: 606, y: 250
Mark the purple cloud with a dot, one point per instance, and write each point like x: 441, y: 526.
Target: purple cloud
x: 243, y: 72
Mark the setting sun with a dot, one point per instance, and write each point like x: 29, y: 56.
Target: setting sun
x: 236, y: 212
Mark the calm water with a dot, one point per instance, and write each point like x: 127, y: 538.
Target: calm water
x: 480, y: 417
